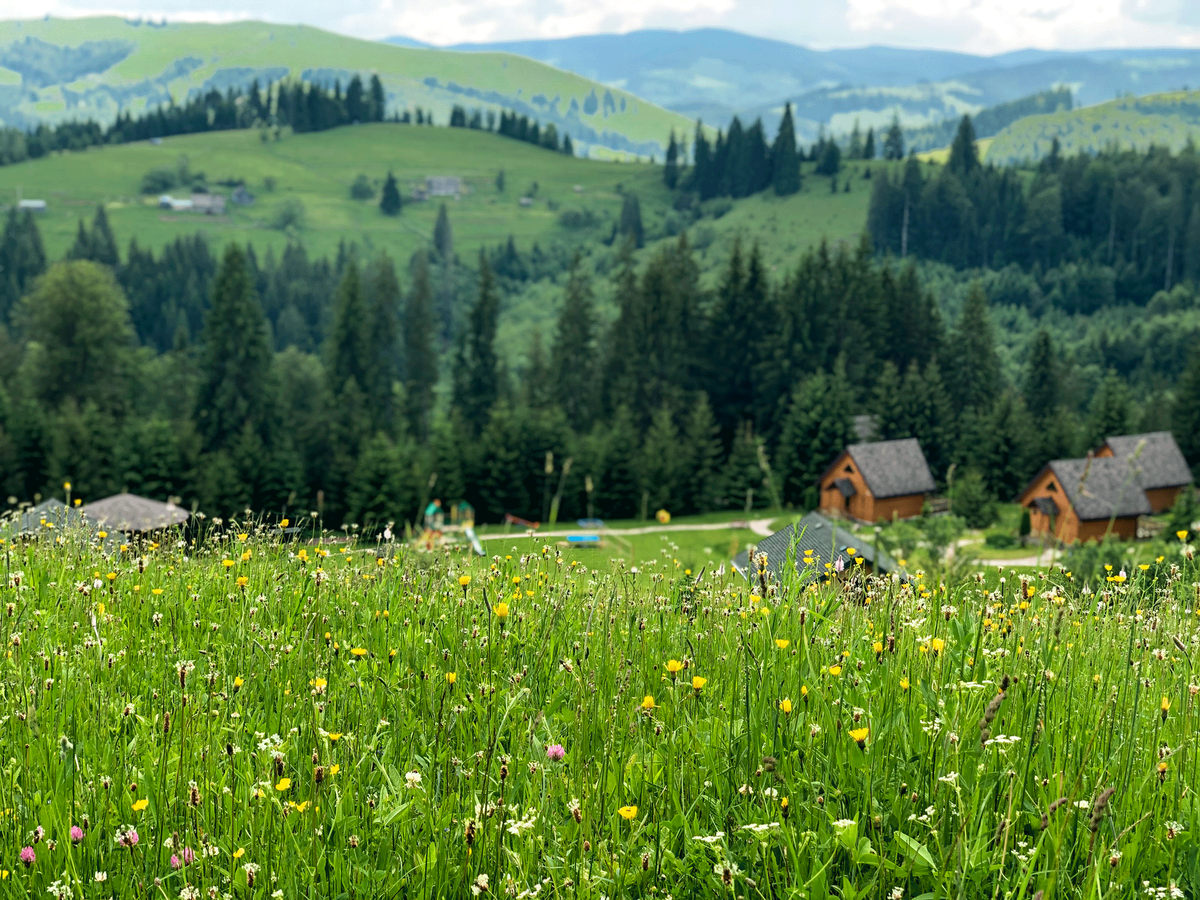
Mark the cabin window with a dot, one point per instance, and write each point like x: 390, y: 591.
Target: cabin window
x: 1051, y: 487
x: 849, y: 469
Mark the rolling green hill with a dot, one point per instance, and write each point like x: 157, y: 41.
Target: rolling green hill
x: 1165, y: 120
x: 318, y: 169
x: 62, y: 69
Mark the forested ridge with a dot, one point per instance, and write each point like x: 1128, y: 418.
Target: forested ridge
x: 362, y: 388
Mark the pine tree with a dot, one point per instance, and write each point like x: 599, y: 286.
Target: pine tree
x: 1185, y: 417
x: 702, y: 165
x: 975, y: 364
x: 854, y: 149
x: 443, y: 239
x: 378, y: 107
x: 420, y: 352
x: 785, y: 161
x: 236, y: 357
x: 383, y: 339
x: 816, y: 428
x: 631, y: 220
x: 742, y: 476
x: 830, y: 160
x: 616, y: 484
x: 937, y: 433
x: 1111, y: 410
x: 573, y: 351
x: 732, y: 347
x: 389, y: 201
x: 893, y: 143
x: 700, y: 458
x: 476, y: 368
x: 659, y: 462
x: 349, y: 342
x: 1004, y: 449
x: 671, y: 169
x: 869, y: 146
x: 888, y: 408
x: 104, y: 245
x: 964, y: 157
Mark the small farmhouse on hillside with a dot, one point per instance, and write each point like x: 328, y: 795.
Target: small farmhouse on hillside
x: 877, y: 480
x: 1077, y: 499
x: 819, y: 548
x: 1161, y: 470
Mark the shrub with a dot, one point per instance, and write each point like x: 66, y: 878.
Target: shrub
x: 362, y: 189
x: 289, y: 216
x: 716, y: 207
x: 158, y: 181
x: 577, y: 218
x: 1000, y: 540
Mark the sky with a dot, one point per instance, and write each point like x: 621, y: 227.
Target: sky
x: 977, y: 26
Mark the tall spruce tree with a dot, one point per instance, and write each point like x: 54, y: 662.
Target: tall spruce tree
x: 349, y: 342
x: 785, y: 160
x: 671, y: 169
x: 733, y: 352
x: 630, y: 224
x: 234, y: 389
x: 383, y: 339
x: 420, y: 350
x: 700, y: 458
x: 816, y: 428
x: 443, y: 238
x: 1185, y: 417
x: 893, y: 142
x: 573, y: 351
x: 975, y: 365
x: 389, y: 200
x: 476, y: 367
x: 964, y: 157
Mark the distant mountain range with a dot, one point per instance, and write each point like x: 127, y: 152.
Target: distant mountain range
x: 715, y: 74
x: 53, y: 70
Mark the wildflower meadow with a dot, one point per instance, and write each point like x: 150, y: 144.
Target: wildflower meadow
x: 225, y: 714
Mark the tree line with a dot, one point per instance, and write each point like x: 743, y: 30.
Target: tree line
x: 515, y: 126
x: 691, y: 399
x: 1122, y: 224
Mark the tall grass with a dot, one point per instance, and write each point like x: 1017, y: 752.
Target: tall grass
x: 317, y: 720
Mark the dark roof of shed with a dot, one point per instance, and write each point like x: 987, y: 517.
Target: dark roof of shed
x: 828, y: 543
x: 1160, y: 461
x: 893, y: 468
x: 1100, y: 487
x: 35, y: 519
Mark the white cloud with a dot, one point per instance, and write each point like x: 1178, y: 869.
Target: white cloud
x: 980, y: 26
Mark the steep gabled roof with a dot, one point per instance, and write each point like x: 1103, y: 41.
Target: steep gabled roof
x: 892, y: 468
x: 827, y: 542
x: 1160, y: 462
x: 1098, y: 488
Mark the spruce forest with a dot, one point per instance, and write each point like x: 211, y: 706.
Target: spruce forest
x: 232, y: 380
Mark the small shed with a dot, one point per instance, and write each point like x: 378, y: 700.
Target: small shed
x: 209, y: 204
x: 1161, y: 470
x: 32, y: 205
x: 1076, y: 499
x: 241, y: 196
x: 443, y: 186
x: 816, y: 546
x: 878, y: 480
x: 130, y: 513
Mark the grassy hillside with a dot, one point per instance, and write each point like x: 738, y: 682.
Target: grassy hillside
x: 318, y: 169
x: 58, y: 69
x: 1165, y: 120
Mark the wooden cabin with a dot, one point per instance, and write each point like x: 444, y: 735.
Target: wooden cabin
x: 1162, y: 471
x: 1077, y: 499
x: 879, y: 480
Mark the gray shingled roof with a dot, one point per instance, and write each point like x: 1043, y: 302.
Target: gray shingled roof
x: 1107, y: 487
x: 828, y: 543
x: 1160, y: 462
x: 53, y: 512
x: 127, y: 512
x: 893, y: 468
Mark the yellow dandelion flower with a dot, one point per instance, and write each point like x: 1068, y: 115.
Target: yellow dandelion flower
x: 140, y: 805
x: 698, y: 683
x: 835, y: 671
x: 627, y: 812
x: 334, y: 769
x: 239, y: 852
x: 782, y: 643
x: 674, y: 666
x: 358, y: 651
x: 904, y: 684
x: 283, y: 784
x: 501, y: 610
x: 859, y: 735
x: 648, y: 702
x: 1182, y: 534
x: 785, y: 706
